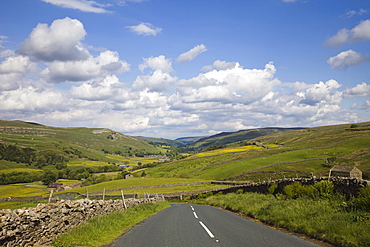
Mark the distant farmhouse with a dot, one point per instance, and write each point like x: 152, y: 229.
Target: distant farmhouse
x: 128, y: 175
x: 345, y: 171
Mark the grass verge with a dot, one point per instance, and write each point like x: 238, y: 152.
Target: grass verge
x: 330, y: 220
x: 103, y: 230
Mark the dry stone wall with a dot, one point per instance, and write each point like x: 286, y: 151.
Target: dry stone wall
x: 41, y: 225
x: 346, y: 186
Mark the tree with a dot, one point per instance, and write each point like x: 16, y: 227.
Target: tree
x: 49, y: 178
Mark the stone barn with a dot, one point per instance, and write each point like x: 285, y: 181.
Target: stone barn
x: 128, y: 175
x: 345, y: 171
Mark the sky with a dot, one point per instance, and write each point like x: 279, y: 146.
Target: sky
x: 178, y: 68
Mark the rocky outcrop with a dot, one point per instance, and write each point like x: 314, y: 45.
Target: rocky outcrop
x: 41, y: 225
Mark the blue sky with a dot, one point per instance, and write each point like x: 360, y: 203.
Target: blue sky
x: 170, y: 69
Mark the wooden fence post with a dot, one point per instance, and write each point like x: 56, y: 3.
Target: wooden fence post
x: 87, y: 193
x: 51, y: 195
x: 123, y: 200
x: 103, y: 194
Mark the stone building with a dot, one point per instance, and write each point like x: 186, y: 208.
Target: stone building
x: 345, y: 171
x: 128, y: 175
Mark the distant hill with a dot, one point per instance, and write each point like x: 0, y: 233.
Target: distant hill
x: 190, y: 140
x: 162, y: 141
x: 92, y: 143
x: 225, y: 138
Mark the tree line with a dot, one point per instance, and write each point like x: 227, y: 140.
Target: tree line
x: 48, y: 177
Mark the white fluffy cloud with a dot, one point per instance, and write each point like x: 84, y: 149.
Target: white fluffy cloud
x: 157, y: 63
x: 159, y: 79
x: 4, y: 52
x: 145, y: 29
x: 347, y: 59
x: 30, y: 99
x: 219, y: 65
x: 191, y: 54
x: 323, y: 93
x: 366, y: 104
x: 17, y: 64
x: 59, y: 42
x: 232, y: 85
x: 108, y: 88
x: 106, y: 63
x: 360, y: 90
x: 358, y: 33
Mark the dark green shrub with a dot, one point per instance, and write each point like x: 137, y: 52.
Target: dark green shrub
x: 297, y: 190
x: 272, y: 189
x: 239, y: 191
x: 324, y: 189
x: 203, y: 196
x: 363, y: 200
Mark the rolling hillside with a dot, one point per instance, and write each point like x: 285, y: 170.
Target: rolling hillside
x: 302, y: 153
x: 162, y: 141
x: 225, y: 138
x: 26, y: 147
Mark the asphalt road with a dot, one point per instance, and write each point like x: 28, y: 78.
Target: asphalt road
x: 196, y: 225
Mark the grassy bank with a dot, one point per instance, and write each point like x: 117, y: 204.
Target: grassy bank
x: 103, y: 230
x: 332, y: 220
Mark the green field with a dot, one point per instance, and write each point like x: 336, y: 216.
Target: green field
x: 135, y: 182
x: 8, y: 166
x: 170, y: 189
x: 20, y: 191
x: 294, y: 153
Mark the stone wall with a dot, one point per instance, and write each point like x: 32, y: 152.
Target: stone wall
x: 346, y: 186
x: 41, y: 225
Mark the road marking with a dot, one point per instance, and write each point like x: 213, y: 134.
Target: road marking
x: 207, y: 230
x: 195, y: 215
x: 192, y: 208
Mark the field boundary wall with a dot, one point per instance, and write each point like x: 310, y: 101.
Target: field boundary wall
x: 41, y: 225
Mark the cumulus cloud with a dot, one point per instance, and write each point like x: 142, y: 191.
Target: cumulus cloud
x: 219, y: 65
x: 30, y: 99
x: 159, y: 79
x: 323, y: 93
x: 83, y: 5
x: 366, y: 105
x: 358, y: 33
x: 157, y: 63
x: 233, y: 85
x: 100, y: 89
x: 191, y: 54
x: 145, y: 29
x: 59, y: 42
x: 347, y: 59
x: 17, y: 64
x: 360, y: 90
x: 9, y: 81
x: 106, y: 63
x: 4, y: 52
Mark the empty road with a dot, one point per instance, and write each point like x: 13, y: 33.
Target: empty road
x: 184, y: 225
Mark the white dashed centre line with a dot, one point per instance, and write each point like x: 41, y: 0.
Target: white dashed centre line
x: 207, y: 230
x: 195, y: 215
x: 202, y: 224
